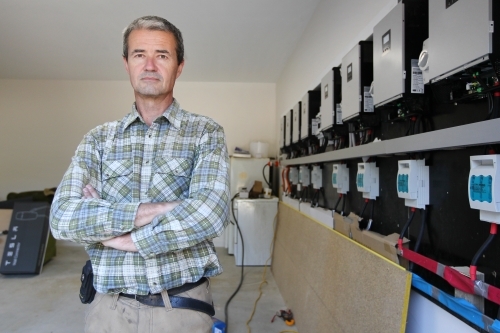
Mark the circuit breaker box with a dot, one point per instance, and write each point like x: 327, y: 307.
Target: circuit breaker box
x: 331, y: 97
x: 288, y: 128
x: 397, y: 42
x: 357, y: 77
x: 282, y: 132
x: 461, y: 35
x: 296, y: 122
x: 310, y: 109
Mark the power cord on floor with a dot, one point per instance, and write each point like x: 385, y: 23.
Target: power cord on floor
x: 242, y: 265
x: 264, y: 281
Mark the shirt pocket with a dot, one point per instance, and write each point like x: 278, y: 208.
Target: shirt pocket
x: 117, y: 182
x: 171, y: 179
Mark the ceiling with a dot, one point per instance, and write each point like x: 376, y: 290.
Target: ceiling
x: 225, y: 40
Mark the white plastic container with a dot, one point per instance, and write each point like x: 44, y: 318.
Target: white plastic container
x: 259, y: 149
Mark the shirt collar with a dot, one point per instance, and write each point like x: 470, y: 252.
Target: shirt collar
x: 173, y: 114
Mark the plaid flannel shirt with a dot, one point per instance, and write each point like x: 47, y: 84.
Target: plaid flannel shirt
x: 181, y: 156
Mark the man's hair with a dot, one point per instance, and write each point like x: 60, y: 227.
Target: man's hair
x: 154, y: 23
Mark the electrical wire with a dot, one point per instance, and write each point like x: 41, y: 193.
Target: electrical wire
x: 423, y: 217
x: 264, y: 174
x: 407, y: 224
x: 275, y: 223
x: 226, y: 314
x: 473, y: 265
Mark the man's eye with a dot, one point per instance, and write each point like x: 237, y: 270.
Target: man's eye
x: 162, y: 56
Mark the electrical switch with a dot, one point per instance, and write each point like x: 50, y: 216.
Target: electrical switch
x: 340, y: 178
x: 483, y: 189
x: 317, y: 177
x: 367, y: 180
x: 304, y: 175
x: 293, y: 176
x: 413, y: 183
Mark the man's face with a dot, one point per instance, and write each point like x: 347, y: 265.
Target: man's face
x: 152, y: 62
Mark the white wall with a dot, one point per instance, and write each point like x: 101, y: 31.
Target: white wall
x: 42, y: 122
x: 334, y: 29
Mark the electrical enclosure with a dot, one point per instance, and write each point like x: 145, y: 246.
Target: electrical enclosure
x: 357, y: 77
x: 412, y: 183
x: 340, y: 178
x: 461, y: 35
x: 288, y: 128
x: 483, y: 189
x: 296, y: 122
x: 310, y: 109
x: 293, y: 176
x: 331, y: 97
x: 367, y: 180
x: 317, y: 177
x: 282, y: 132
x: 395, y: 57
x: 304, y: 175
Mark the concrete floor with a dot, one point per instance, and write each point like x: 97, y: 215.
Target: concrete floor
x: 49, y: 303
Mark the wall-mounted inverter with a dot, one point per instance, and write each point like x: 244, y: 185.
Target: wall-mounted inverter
x: 288, y: 128
x: 461, y: 35
x: 357, y: 77
x: 296, y: 121
x: 331, y: 97
x: 310, y: 109
x: 397, y: 42
x: 282, y: 131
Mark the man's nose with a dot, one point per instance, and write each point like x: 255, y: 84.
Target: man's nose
x: 150, y: 64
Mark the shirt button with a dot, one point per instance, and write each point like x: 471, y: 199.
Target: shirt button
x: 147, y: 162
x: 149, y: 135
x: 154, y: 283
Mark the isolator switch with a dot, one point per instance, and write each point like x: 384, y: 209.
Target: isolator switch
x: 317, y: 177
x: 367, y: 180
x: 483, y: 189
x: 340, y: 178
x: 293, y: 176
x: 413, y: 183
x: 304, y: 175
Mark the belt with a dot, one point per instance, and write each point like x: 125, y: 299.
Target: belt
x: 176, y: 301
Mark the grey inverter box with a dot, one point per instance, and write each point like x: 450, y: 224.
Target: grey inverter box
x: 27, y: 239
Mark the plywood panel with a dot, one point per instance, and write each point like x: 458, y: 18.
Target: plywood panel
x: 332, y: 283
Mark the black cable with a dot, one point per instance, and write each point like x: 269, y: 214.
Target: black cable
x: 343, y: 204
x: 407, y: 224
x: 482, y: 249
x: 363, y: 209
x: 338, y: 201
x: 423, y: 213
x: 242, y: 266
x: 264, y: 175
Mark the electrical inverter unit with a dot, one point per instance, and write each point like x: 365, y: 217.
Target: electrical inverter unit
x: 397, y: 42
x: 296, y: 122
x: 331, y: 97
x: 282, y: 132
x: 462, y: 40
x: 310, y: 108
x: 357, y: 77
x: 288, y: 129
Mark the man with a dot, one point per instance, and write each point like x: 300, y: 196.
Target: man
x: 146, y: 195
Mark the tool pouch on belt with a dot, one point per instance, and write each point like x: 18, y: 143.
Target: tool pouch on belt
x: 87, y: 291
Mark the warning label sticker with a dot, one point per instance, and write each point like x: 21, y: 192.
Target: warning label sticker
x: 417, y: 78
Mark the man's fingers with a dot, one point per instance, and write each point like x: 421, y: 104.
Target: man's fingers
x: 89, y: 192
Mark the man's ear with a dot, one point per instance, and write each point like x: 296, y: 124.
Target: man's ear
x: 125, y: 62
x: 179, y: 69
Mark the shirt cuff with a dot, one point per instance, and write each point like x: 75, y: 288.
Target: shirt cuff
x: 146, y: 241
x: 121, y: 217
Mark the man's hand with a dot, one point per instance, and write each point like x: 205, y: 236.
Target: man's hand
x: 145, y: 214
x: 123, y: 243
x: 89, y: 192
